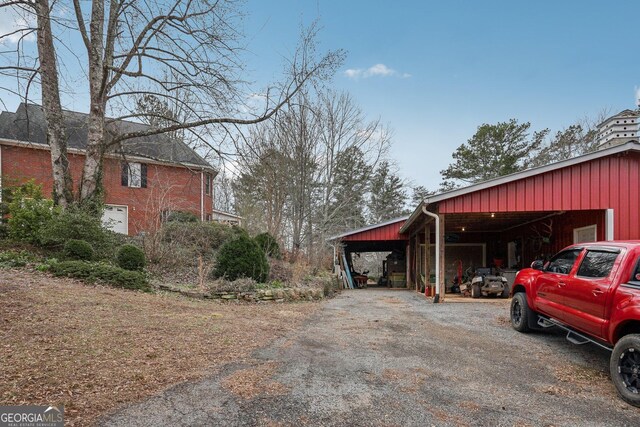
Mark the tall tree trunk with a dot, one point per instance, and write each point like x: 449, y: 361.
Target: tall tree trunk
x: 91, y: 185
x: 52, y: 108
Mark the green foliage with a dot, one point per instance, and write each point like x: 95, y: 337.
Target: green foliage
x: 242, y: 257
x: 419, y: 193
x: 47, y: 264
x: 570, y: 142
x: 15, y: 259
x: 78, y: 250
x: 494, y: 150
x: 102, y: 272
x: 29, y: 211
x: 79, y: 224
x: 388, y: 196
x: 182, y: 216
x: 351, y: 183
x: 269, y: 245
x: 131, y: 258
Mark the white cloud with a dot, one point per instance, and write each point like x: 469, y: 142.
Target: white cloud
x: 353, y: 73
x: 377, y: 70
x: 637, y: 100
x: 11, y: 21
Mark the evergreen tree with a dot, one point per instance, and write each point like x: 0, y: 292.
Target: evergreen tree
x: 388, y: 196
x: 494, y: 150
x: 350, y: 187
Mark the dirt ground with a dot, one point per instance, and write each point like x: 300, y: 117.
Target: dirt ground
x: 390, y: 358
x: 95, y: 348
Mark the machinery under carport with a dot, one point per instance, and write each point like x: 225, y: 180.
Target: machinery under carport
x: 382, y: 239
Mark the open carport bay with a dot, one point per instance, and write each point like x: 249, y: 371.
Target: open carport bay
x: 385, y: 357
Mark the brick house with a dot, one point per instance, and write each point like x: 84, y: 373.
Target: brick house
x: 144, y: 178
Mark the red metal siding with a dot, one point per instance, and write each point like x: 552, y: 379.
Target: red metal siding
x: 385, y: 232
x: 605, y: 183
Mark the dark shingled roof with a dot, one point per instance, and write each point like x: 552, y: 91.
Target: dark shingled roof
x: 27, y: 124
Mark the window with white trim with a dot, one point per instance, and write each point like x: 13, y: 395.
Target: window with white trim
x: 134, y: 175
x: 585, y: 234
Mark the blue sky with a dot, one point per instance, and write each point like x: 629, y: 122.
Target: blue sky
x: 470, y: 62
x: 435, y: 71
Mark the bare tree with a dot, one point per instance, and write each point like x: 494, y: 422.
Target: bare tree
x: 52, y: 107
x: 162, y: 49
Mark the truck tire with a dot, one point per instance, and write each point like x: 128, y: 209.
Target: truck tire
x: 505, y: 292
x: 475, y: 291
x: 520, y: 313
x: 624, y: 368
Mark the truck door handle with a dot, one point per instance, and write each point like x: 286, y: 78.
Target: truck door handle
x: 597, y: 292
x: 561, y: 284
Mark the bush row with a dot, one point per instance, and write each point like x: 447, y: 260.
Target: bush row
x: 103, y: 273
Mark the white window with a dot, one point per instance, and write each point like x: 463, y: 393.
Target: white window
x: 585, y: 234
x: 134, y: 175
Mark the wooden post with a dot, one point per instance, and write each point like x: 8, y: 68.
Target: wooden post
x: 408, y: 263
x: 441, y: 285
x: 427, y: 256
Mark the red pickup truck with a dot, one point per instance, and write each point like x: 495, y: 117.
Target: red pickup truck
x: 592, y: 291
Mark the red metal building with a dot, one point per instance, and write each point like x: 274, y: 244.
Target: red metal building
x: 532, y: 214
x: 514, y: 219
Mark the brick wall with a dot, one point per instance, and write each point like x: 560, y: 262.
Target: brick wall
x: 168, y: 187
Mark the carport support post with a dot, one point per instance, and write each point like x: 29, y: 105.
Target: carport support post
x: 441, y: 260
x: 407, y: 259
x: 427, y: 257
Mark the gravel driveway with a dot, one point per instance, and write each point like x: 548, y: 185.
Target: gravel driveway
x: 382, y: 357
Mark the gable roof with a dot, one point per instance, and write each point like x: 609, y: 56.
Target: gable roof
x: 28, y: 124
x: 367, y: 228
x: 631, y: 146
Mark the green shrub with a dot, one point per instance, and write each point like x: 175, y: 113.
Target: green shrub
x: 47, y: 264
x: 14, y: 259
x: 269, y: 245
x: 131, y: 258
x: 101, y: 272
x: 29, y: 211
x: 242, y: 257
x: 78, y: 249
x: 77, y: 223
x: 182, y: 216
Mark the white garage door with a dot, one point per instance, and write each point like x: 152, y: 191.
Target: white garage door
x: 116, y: 218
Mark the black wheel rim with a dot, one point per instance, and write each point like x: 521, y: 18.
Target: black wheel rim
x: 516, y: 312
x: 629, y: 369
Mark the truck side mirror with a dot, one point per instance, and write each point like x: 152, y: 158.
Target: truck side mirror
x: 537, y: 265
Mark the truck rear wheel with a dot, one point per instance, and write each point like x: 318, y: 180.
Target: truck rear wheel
x: 624, y: 368
x: 475, y: 291
x: 520, y: 312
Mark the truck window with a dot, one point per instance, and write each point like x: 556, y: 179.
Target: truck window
x: 597, y: 264
x: 635, y: 277
x: 563, y: 262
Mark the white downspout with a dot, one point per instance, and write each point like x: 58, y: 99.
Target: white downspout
x: 437, y: 218
x: 201, y: 195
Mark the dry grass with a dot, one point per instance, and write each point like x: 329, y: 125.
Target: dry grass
x: 251, y: 382
x: 95, y: 348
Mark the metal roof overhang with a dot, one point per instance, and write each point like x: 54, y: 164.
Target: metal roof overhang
x: 382, y: 237
x: 417, y: 219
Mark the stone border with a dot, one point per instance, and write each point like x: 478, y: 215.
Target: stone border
x: 259, y: 295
